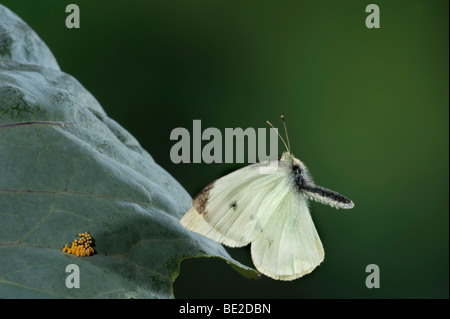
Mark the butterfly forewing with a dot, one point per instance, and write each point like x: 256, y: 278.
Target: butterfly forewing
x: 238, y: 205
x: 194, y: 221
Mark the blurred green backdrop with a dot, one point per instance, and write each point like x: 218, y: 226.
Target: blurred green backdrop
x: 367, y: 111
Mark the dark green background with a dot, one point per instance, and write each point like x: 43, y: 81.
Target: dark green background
x: 367, y: 111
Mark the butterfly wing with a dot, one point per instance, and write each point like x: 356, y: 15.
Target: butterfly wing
x: 288, y: 247
x: 235, y: 208
x: 194, y: 221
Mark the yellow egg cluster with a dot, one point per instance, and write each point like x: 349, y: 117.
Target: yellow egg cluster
x: 81, y: 247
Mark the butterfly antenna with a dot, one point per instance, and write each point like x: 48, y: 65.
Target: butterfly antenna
x: 279, y: 136
x: 285, y: 132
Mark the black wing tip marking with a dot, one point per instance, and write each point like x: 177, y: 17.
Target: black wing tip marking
x: 200, y: 201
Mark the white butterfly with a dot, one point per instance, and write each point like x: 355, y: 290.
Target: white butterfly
x: 270, y: 211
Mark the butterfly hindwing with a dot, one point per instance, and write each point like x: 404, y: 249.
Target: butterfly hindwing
x: 289, y: 245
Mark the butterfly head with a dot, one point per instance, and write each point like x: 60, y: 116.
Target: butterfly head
x: 291, y: 159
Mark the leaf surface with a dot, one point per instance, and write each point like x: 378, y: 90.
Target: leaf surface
x: 67, y: 168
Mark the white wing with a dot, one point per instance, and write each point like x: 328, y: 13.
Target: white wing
x: 235, y: 208
x: 288, y: 247
x: 194, y: 221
